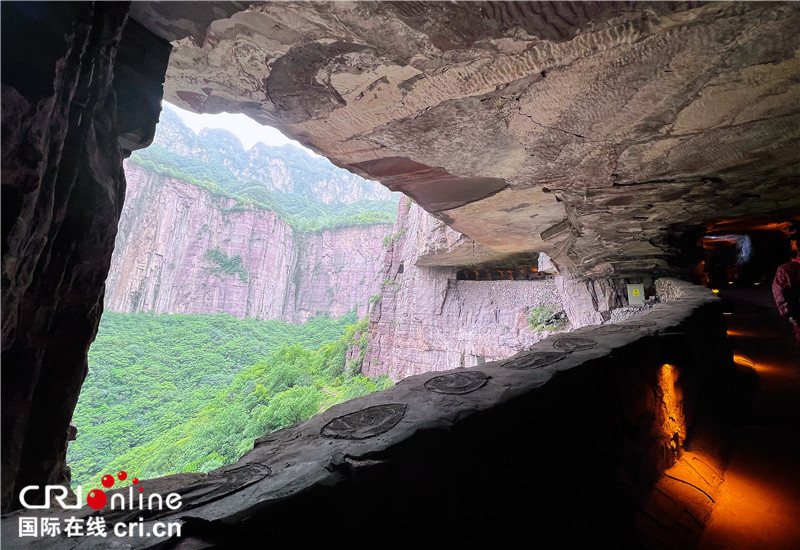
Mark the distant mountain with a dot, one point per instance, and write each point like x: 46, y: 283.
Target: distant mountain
x: 307, y: 191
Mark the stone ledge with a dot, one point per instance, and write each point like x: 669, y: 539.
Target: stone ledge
x: 564, y: 396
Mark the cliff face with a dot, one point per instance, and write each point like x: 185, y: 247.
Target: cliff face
x: 337, y: 270
x: 177, y: 249
x: 426, y: 320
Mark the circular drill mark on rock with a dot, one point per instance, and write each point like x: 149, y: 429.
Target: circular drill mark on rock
x: 535, y: 360
x: 365, y: 423
x: 573, y: 343
x: 457, y: 383
x: 224, y: 483
x: 218, y: 485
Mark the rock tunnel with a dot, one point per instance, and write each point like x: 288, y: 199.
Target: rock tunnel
x: 623, y: 140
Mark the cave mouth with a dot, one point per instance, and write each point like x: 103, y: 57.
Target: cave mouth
x: 516, y: 267
x: 237, y: 301
x: 239, y: 297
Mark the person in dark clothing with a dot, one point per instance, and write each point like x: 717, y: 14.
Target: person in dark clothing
x: 786, y: 291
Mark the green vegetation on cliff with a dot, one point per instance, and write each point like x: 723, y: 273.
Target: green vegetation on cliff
x: 542, y: 318
x: 230, y: 265
x: 188, y: 393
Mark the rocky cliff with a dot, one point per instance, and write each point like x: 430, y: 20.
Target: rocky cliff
x: 599, y: 133
x: 427, y: 320
x: 182, y: 249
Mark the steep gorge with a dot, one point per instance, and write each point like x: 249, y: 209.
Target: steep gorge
x: 183, y: 249
x: 177, y: 250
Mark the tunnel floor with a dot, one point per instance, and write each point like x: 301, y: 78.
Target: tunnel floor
x: 759, y: 501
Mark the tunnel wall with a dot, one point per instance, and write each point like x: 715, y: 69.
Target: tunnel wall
x: 64, y: 139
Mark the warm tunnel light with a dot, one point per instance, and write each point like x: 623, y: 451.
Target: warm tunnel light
x: 674, y: 426
x: 715, y: 290
x: 740, y: 359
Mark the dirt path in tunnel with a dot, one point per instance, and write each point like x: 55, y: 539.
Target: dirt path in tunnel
x: 759, y: 502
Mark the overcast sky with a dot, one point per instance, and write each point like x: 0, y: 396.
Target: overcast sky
x: 245, y: 128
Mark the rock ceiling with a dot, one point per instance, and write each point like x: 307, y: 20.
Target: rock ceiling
x: 592, y: 132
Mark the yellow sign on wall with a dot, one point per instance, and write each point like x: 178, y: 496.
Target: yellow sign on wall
x: 635, y: 295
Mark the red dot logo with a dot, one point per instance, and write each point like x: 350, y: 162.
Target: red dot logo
x: 96, y: 499
x: 122, y: 476
x: 107, y: 481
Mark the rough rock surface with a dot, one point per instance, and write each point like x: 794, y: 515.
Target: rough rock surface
x: 168, y: 226
x: 426, y: 320
x: 337, y: 270
x: 592, y: 301
x: 594, y: 132
x: 63, y: 187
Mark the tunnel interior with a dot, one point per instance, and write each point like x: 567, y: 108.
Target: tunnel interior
x: 578, y: 431
x: 747, y: 252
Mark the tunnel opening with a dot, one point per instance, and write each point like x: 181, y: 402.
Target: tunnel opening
x: 499, y: 274
x: 236, y: 301
x: 746, y: 252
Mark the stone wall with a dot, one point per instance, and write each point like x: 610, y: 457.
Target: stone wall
x: 63, y: 188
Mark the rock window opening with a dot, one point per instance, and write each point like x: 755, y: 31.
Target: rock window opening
x: 237, y: 301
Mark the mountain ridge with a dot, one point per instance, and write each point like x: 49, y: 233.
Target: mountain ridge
x: 262, y: 173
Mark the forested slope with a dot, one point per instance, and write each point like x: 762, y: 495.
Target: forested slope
x: 174, y: 393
